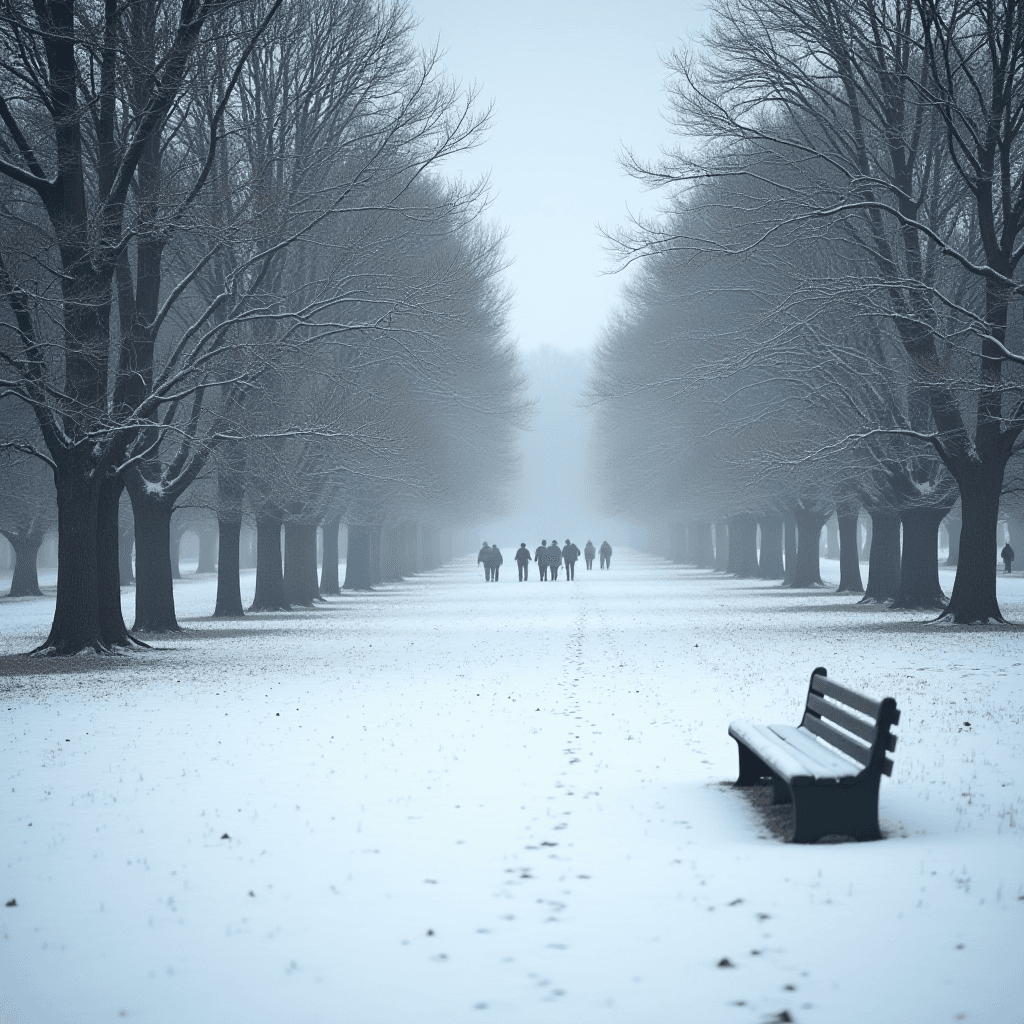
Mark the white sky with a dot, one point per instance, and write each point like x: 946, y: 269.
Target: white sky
x: 571, y: 81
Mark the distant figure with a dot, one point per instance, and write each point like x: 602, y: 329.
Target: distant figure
x: 588, y: 553
x: 1007, y: 555
x: 606, y: 555
x: 554, y: 559
x: 484, y: 555
x: 570, y: 553
x: 540, y: 556
x: 523, y: 561
x: 495, y: 561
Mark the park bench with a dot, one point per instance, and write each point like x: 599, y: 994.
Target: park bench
x: 830, y: 766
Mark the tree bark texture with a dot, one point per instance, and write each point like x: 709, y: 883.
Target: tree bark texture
x: 300, y: 582
x: 154, y: 584
x: 884, y: 557
x: 177, y: 533
x: 743, y: 546
x: 974, y: 589
x: 849, y: 556
x: 807, y: 571
x: 329, y: 583
x: 269, y: 596
x: 770, y: 566
x: 25, y: 581
x: 229, y: 589
x: 357, y: 559
x: 919, y: 562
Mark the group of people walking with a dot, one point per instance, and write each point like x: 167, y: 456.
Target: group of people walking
x: 549, y: 558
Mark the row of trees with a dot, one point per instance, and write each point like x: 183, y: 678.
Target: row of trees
x: 827, y: 317
x: 233, y: 271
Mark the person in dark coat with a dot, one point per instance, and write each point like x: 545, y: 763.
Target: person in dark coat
x: 554, y: 559
x: 1007, y: 555
x: 588, y: 553
x: 570, y: 553
x: 540, y: 556
x: 523, y: 561
x: 484, y: 555
x: 606, y: 555
x: 495, y: 562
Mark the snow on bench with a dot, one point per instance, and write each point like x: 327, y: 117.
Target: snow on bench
x: 829, y: 766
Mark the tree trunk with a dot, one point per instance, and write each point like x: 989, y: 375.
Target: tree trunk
x: 229, y: 588
x: 743, y: 546
x: 357, y: 559
x: 721, y: 546
x: 25, y: 581
x: 76, y: 617
x: 884, y: 557
x: 154, y: 585
x: 207, y: 550
x: 269, y: 596
x: 770, y: 565
x: 329, y: 584
x: 807, y: 571
x: 953, y: 529
x: 390, y: 554
x: 974, y: 589
x: 300, y: 583
x: 919, y: 564
x: 849, y: 560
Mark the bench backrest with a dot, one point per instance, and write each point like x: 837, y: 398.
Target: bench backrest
x: 852, y: 722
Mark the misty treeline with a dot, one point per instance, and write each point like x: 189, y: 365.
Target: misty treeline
x: 827, y: 315
x: 230, y: 263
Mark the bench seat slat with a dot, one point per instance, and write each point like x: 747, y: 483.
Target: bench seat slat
x: 765, y: 744
x: 865, y: 730
x: 830, y: 688
x: 827, y: 763
x: 848, y: 746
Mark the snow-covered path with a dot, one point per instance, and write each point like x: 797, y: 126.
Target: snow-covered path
x: 450, y: 801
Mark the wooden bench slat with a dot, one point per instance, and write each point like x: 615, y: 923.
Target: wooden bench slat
x: 844, y: 743
x: 827, y: 763
x: 830, y: 688
x: 766, y: 745
x: 865, y: 730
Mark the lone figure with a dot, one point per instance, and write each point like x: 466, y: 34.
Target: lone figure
x: 484, y: 555
x: 1007, y: 555
x: 569, y: 555
x: 588, y: 553
x: 523, y: 561
x: 606, y: 555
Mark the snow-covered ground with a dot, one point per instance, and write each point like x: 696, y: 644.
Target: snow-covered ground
x: 451, y: 801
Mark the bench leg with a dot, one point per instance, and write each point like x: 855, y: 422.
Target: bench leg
x: 836, y: 810
x: 752, y: 768
x: 781, y: 793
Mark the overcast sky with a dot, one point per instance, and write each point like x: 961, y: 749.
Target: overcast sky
x: 571, y: 81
